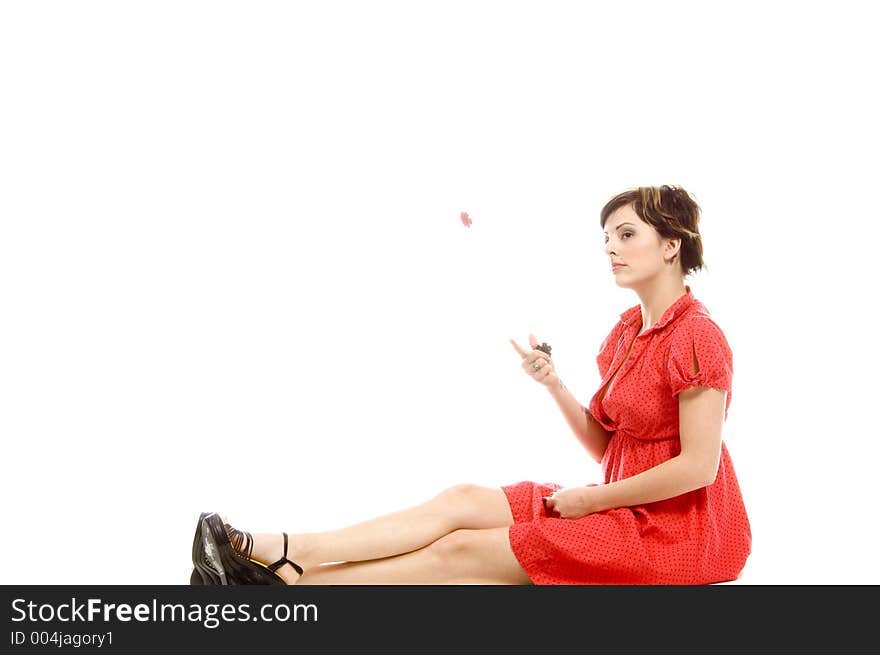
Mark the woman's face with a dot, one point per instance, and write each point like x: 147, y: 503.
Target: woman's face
x: 637, y: 246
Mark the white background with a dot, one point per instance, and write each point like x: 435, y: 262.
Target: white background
x: 233, y: 275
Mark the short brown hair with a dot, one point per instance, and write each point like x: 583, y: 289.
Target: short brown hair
x: 672, y: 212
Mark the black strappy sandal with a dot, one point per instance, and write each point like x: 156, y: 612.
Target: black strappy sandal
x: 226, y: 555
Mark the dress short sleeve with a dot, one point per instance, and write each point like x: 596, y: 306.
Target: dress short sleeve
x: 702, y: 340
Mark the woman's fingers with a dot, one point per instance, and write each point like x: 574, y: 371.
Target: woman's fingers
x: 550, y: 507
x: 541, y: 358
x: 533, y: 342
x: 536, y: 363
x: 519, y: 349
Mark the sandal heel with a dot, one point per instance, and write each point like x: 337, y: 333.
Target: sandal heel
x: 196, y: 578
x: 206, y: 569
x: 212, y: 554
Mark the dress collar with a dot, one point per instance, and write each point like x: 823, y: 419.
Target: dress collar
x: 633, y: 315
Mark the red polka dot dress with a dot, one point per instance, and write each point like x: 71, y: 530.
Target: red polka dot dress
x: 699, y: 537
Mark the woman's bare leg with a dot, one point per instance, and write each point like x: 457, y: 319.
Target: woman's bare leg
x: 461, y: 557
x: 464, y: 506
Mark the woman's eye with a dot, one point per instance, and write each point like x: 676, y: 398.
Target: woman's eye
x: 623, y: 235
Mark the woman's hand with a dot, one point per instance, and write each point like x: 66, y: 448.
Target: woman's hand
x: 570, y: 502
x: 537, y: 364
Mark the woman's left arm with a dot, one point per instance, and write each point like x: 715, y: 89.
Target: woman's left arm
x: 701, y: 416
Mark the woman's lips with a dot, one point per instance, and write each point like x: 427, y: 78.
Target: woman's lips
x: 614, y: 267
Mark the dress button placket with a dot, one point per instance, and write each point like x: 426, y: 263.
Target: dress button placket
x: 630, y: 360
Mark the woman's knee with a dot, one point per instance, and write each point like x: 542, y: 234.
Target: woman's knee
x: 460, y: 495
x: 473, y: 506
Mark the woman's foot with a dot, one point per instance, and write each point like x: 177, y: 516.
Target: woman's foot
x: 275, y: 551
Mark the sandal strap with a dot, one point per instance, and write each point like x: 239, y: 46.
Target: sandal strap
x: 242, y: 542
x: 281, y: 562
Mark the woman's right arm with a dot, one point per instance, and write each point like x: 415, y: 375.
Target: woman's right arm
x: 588, y: 431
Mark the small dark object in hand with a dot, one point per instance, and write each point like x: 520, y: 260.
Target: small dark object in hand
x: 544, y: 347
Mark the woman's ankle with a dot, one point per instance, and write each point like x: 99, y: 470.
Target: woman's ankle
x: 269, y: 548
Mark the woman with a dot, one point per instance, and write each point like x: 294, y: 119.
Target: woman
x: 670, y: 509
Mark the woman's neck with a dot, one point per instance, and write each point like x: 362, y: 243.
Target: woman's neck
x: 658, y: 298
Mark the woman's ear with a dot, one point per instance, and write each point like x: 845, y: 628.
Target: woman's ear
x: 673, y: 247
